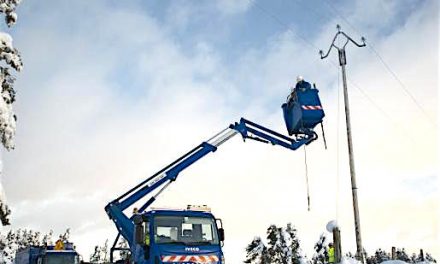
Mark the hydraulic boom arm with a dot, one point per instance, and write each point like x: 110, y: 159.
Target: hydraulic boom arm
x: 167, y: 175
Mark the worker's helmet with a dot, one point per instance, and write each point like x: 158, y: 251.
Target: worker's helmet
x: 299, y: 78
x: 330, y: 244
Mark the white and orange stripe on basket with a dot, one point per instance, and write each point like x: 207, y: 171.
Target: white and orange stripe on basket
x: 311, y: 107
x: 191, y: 258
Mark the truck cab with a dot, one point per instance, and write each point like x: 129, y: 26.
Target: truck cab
x: 46, y: 255
x: 178, y: 236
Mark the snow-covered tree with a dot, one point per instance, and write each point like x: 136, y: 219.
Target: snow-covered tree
x: 282, y: 247
x: 382, y: 255
x: 47, y: 239
x: 8, y: 8
x: 378, y: 257
x: 18, y: 239
x: 277, y: 245
x: 401, y: 255
x: 256, y: 252
x: 65, y: 237
x: 429, y: 258
x: 100, y: 254
x: 12, y: 61
x: 293, y: 242
x: 4, y: 209
x: 321, y: 249
x: 123, y: 254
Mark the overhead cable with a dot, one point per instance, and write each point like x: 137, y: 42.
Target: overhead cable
x: 371, y: 47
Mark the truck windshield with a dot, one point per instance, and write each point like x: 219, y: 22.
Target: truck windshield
x: 61, y: 259
x: 185, y: 230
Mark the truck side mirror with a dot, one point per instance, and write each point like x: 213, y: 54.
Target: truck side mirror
x: 138, y: 230
x: 221, y: 234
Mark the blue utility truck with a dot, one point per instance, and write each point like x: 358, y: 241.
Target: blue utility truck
x: 192, y: 235
x: 46, y: 255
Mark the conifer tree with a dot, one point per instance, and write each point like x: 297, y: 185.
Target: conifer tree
x: 11, y: 62
x: 293, y: 244
x: 18, y: 239
x: 123, y: 254
x: 100, y: 254
x: 272, y: 238
x: 256, y: 252
x: 381, y: 256
x: 401, y: 255
x: 283, y: 247
x: 321, y: 249
x: 429, y: 258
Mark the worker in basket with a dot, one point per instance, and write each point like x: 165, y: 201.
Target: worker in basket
x: 301, y: 85
x: 303, y: 109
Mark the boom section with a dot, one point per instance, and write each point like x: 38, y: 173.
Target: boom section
x: 164, y: 177
x: 251, y: 130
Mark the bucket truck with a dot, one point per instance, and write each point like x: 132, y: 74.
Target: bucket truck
x: 192, y: 235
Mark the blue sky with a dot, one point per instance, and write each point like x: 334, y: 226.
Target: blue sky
x: 112, y: 91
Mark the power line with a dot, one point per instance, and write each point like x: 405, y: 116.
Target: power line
x: 311, y: 45
x: 286, y: 26
x: 371, y: 47
x: 372, y: 102
x: 403, y: 86
x: 363, y: 93
x: 313, y: 10
x: 337, y: 12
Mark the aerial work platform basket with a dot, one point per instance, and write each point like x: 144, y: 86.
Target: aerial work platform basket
x: 303, y: 109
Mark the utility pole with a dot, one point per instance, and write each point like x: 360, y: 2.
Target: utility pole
x: 342, y: 63
x: 337, y: 244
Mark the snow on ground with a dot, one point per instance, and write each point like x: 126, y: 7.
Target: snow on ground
x: 347, y: 260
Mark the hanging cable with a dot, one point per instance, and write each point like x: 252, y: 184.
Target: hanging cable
x: 307, y: 178
x: 323, y: 135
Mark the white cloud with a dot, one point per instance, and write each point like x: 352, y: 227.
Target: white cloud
x: 87, y: 132
x: 233, y: 6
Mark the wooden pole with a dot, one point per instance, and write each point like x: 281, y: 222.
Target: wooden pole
x: 337, y: 244
x: 342, y: 63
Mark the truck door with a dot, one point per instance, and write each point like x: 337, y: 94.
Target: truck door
x: 147, y: 239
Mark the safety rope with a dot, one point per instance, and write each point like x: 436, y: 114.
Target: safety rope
x: 307, y: 178
x: 323, y: 135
